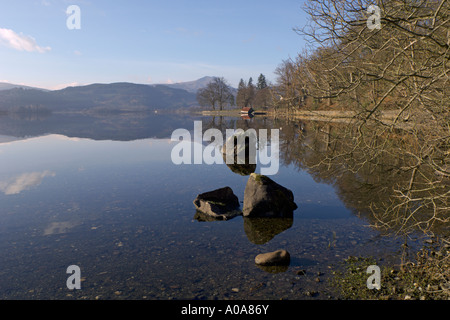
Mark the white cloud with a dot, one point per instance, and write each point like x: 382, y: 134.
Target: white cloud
x: 20, y: 42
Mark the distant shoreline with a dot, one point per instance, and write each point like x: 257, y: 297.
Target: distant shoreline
x: 387, y: 117
x: 306, y: 114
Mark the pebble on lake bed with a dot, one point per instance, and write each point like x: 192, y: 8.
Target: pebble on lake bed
x: 279, y: 257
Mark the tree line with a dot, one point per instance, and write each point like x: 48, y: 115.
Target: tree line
x: 402, y: 65
x: 249, y: 95
x: 219, y: 95
x: 401, y: 69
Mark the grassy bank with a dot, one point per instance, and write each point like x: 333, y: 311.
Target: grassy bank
x: 425, y: 278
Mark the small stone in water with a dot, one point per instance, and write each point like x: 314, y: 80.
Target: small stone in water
x: 279, y: 257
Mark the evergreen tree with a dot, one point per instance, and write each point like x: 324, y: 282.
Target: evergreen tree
x: 251, y: 91
x: 242, y: 85
x: 241, y: 95
x: 262, y: 83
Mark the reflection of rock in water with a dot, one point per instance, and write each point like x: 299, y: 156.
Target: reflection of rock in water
x: 220, y: 204
x: 246, y: 152
x: 274, y: 269
x: 262, y: 230
x: 203, y: 217
x: 242, y: 169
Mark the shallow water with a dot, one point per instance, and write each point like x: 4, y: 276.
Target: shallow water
x: 123, y: 212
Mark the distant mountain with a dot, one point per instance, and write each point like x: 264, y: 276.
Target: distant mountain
x: 98, y: 97
x: 192, y: 86
x: 8, y: 86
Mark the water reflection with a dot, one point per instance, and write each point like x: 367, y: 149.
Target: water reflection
x: 261, y: 230
x: 372, y: 177
x: 274, y: 269
x: 130, y: 193
x: 60, y: 227
x: 379, y: 179
x: 23, y: 182
x: 118, y: 127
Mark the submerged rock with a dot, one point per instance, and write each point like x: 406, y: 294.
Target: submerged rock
x: 263, y: 197
x: 220, y: 204
x: 276, y: 258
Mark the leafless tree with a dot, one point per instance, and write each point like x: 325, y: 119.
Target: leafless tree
x: 394, y: 77
x: 216, y: 93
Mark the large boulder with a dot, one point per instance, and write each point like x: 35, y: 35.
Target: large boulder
x: 220, y: 204
x: 263, y: 197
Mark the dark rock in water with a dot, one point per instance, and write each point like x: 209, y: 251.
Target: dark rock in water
x: 276, y: 258
x: 263, y: 197
x: 220, y: 204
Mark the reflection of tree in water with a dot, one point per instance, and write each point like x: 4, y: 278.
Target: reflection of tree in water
x: 383, y: 175
x: 397, y: 179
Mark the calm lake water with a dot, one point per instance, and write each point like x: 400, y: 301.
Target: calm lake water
x: 102, y: 193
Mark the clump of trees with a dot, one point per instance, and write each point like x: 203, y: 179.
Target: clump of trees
x: 217, y: 94
x: 249, y: 95
x: 402, y: 65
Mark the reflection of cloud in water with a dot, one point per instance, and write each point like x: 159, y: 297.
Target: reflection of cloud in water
x: 60, y: 227
x: 23, y: 182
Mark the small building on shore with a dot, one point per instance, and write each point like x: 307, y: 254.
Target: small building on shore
x: 247, y: 111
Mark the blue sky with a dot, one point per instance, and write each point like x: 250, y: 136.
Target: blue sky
x: 150, y: 42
